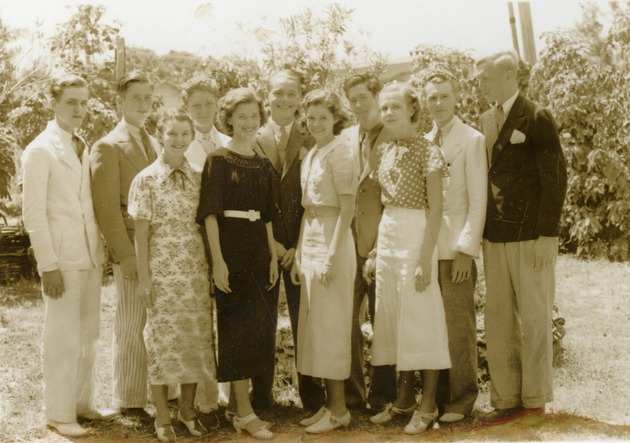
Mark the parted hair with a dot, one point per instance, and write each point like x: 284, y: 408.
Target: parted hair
x: 505, y: 60
x: 438, y: 75
x: 287, y: 74
x: 331, y: 101
x: 410, y: 95
x: 228, y: 104
x: 175, y: 114
x: 130, y: 78
x: 371, y: 82
x: 59, y: 84
x: 199, y: 83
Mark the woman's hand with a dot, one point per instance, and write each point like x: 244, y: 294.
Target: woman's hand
x: 220, y: 276
x: 146, y: 292
x: 295, y: 273
x: 423, y: 275
x: 369, y: 270
x: 326, y: 274
x: 273, y: 273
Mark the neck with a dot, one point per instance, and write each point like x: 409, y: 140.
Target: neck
x: 175, y: 161
x: 508, y: 94
x: 325, y: 140
x: 405, y: 132
x: 444, y: 123
x: 68, y: 129
x: 373, y: 123
x: 282, y: 121
x: 203, y: 129
x: 242, y: 145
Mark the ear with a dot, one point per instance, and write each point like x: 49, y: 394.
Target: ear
x: 119, y: 101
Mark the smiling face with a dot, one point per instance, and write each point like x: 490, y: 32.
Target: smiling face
x: 136, y: 103
x: 176, y: 137
x: 284, y: 98
x: 396, y: 112
x: 320, y: 122
x: 245, y: 120
x: 364, y: 105
x: 70, y: 107
x: 440, y: 100
x: 202, y: 108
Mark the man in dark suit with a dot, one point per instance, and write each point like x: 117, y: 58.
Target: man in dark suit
x: 285, y: 142
x: 527, y: 181
x: 362, y: 91
x: 115, y: 160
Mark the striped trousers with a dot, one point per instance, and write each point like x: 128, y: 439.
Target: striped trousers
x: 129, y: 352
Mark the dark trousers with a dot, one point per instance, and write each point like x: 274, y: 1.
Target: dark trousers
x: 383, y: 387
x: 457, y: 386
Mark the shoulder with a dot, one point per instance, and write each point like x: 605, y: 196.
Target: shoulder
x: 341, y: 151
x: 224, y: 138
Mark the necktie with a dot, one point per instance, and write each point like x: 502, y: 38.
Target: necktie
x: 147, y: 145
x: 437, y: 140
x: 283, y: 140
x: 206, y: 141
x: 364, y: 155
x: 499, y: 117
x: 78, y: 146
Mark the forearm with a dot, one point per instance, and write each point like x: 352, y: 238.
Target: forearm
x: 142, y: 250
x: 342, y: 227
x: 212, y: 228
x: 271, y: 241
x: 433, y: 215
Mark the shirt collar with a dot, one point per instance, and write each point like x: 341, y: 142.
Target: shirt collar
x: 446, y: 129
x: 133, y: 130
x: 65, y: 136
x: 165, y: 170
x: 212, y: 133
x: 325, y: 150
x: 507, y: 105
x: 276, y: 127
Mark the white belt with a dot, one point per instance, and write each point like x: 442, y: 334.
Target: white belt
x: 250, y: 215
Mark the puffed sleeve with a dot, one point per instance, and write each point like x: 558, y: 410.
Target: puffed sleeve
x: 434, y: 160
x: 140, y: 198
x: 210, y: 194
x: 344, y: 171
x: 270, y: 205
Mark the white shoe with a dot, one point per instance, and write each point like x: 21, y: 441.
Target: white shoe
x: 451, y: 417
x: 421, y: 421
x: 391, y: 411
x: 329, y: 423
x: 98, y: 414
x: 67, y: 429
x: 207, y: 409
x: 314, y: 418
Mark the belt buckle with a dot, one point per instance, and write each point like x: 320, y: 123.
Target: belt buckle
x: 251, y: 215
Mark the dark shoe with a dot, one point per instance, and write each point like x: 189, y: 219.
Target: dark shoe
x: 355, y: 403
x: 378, y: 403
x: 501, y: 416
x: 138, y: 413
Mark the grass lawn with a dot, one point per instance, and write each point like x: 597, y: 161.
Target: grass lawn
x: 591, y: 388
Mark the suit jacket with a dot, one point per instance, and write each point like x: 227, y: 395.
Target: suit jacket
x: 286, y: 184
x: 527, y: 176
x: 465, y: 191
x: 115, y: 160
x: 368, y: 207
x: 57, y: 204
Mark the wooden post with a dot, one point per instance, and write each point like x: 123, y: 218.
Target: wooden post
x: 527, y: 32
x: 119, y: 61
x: 513, y: 28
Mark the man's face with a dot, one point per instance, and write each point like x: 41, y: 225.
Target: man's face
x: 136, y: 103
x: 202, y: 108
x: 284, y: 98
x: 364, y: 105
x: 441, y: 101
x: 492, y: 82
x: 70, y: 108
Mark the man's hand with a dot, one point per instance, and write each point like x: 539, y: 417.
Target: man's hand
x: 280, y: 250
x: 129, y: 268
x: 545, y: 251
x: 52, y: 282
x: 295, y: 273
x: 369, y: 270
x: 462, y: 265
x: 286, y: 261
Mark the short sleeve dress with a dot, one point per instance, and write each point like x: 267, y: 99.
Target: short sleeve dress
x: 232, y: 182
x: 325, y: 319
x: 178, y: 330
x: 409, y: 327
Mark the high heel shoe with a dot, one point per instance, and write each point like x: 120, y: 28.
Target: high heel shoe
x: 314, y: 418
x: 391, y: 411
x: 195, y: 427
x: 260, y: 433
x: 165, y: 432
x: 329, y: 423
x: 421, y: 421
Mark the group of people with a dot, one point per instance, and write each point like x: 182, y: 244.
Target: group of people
x: 376, y: 211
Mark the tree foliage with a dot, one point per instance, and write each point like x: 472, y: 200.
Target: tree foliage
x: 583, y: 76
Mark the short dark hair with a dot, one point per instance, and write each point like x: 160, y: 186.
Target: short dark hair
x: 371, y: 82
x: 438, y: 75
x: 199, y: 83
x: 130, y: 78
x: 409, y: 93
x: 230, y: 101
x: 175, y: 114
x: 331, y: 101
x: 59, y: 84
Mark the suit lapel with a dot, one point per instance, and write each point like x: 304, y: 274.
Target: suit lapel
x: 130, y: 148
x: 512, y: 122
x: 452, y: 145
x: 296, y: 140
x: 267, y: 144
x: 383, y: 137
x: 66, y: 154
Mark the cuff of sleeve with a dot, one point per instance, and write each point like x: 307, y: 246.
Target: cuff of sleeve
x: 49, y: 268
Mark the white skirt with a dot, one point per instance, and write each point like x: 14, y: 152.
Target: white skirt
x: 409, y: 326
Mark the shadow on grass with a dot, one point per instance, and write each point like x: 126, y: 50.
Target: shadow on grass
x: 20, y: 292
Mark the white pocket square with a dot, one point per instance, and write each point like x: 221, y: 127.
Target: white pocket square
x: 517, y: 137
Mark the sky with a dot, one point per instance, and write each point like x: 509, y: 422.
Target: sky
x: 223, y: 27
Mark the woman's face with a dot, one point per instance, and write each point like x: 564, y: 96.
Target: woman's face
x: 395, y: 110
x: 245, y: 120
x: 320, y: 122
x: 176, y: 137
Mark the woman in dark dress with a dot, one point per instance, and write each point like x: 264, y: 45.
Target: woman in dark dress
x: 236, y: 205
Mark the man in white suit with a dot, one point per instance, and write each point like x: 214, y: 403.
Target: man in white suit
x: 459, y: 241
x: 59, y: 217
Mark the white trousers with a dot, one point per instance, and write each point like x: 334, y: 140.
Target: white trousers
x: 70, y: 336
